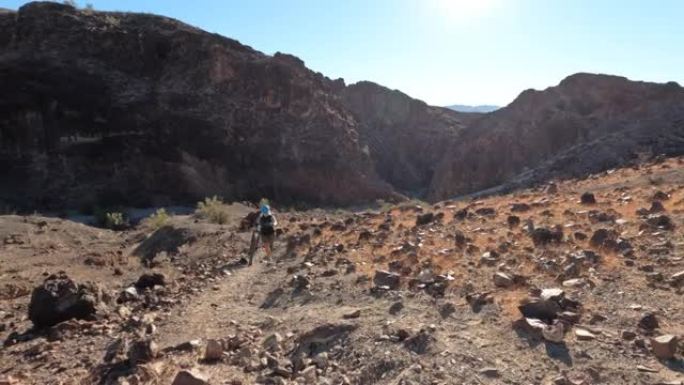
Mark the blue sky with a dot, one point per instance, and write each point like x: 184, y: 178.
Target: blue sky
x: 448, y: 51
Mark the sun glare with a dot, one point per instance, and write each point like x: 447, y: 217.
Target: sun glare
x: 465, y: 9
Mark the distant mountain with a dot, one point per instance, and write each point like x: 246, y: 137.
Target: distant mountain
x: 478, y: 109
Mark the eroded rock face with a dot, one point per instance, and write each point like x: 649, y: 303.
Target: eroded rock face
x: 405, y: 137
x: 588, y: 123
x: 143, y: 110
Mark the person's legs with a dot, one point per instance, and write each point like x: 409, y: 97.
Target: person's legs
x: 268, y: 245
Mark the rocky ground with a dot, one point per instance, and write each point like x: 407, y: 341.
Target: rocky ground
x: 577, y: 282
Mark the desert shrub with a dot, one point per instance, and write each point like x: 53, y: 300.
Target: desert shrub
x: 158, y: 219
x: 113, y: 220
x: 213, y: 210
x: 382, y: 205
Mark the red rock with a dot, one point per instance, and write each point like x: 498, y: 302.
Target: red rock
x: 664, y: 346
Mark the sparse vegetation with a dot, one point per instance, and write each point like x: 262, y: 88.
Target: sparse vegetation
x: 113, y: 220
x: 213, y: 210
x: 158, y: 219
x: 382, y: 205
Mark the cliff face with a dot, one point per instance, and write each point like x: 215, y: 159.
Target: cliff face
x: 139, y: 109
x: 405, y: 137
x: 586, y: 124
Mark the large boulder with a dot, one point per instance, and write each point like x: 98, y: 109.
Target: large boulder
x: 59, y: 298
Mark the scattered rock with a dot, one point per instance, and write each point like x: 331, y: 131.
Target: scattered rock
x: 542, y: 236
x: 128, y: 294
x: 588, y: 199
x: 272, y: 342
x: 460, y: 239
x: 419, y: 343
x: 352, y: 315
x: 150, y: 281
x: 649, y: 321
x: 664, y: 346
x: 584, y: 335
x: 396, y: 308
x: 188, y: 377
x: 601, y: 236
x: 513, y: 220
x: 322, y: 338
x: 213, y: 350
x: 503, y: 280
x: 490, y: 372
x: 142, y: 351
x: 59, y: 299
x: 656, y: 207
x: 678, y: 278
x: 424, y: 219
x: 646, y: 369
x: 628, y: 335
x: 660, y: 221
x: 660, y: 196
x: 309, y: 375
x: 300, y: 281
x: 387, y: 279
x: 485, y: 212
x: 461, y: 214
x: 540, y: 309
x: 520, y: 207
x: 447, y: 309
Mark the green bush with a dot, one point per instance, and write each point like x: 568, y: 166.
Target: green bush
x: 113, y: 220
x: 213, y: 210
x: 158, y: 219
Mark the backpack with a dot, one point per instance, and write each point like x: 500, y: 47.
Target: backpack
x: 266, y: 224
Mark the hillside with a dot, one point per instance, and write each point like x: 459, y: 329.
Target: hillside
x: 534, y: 287
x: 107, y: 109
x: 588, y: 123
x: 103, y: 108
x: 117, y: 108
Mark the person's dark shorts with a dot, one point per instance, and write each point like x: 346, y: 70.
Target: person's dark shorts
x: 268, y: 238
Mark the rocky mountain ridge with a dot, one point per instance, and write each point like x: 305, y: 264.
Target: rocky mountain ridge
x: 588, y: 123
x: 106, y: 108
